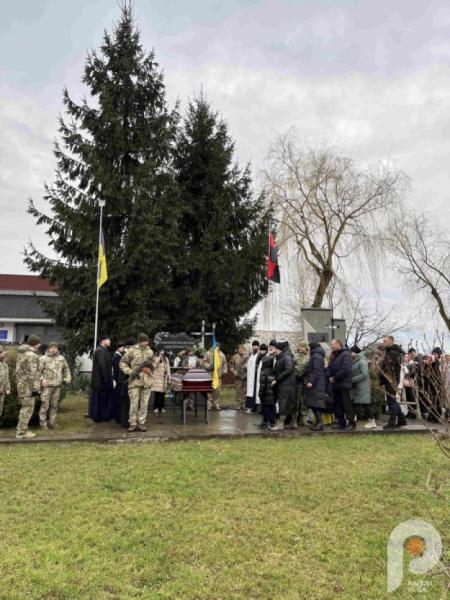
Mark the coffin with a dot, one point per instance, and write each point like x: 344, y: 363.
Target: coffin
x: 192, y: 381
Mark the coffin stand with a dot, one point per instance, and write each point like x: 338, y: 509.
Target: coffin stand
x: 197, y: 382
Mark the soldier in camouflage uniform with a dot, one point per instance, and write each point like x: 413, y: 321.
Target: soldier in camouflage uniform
x: 208, y: 364
x: 28, y: 383
x: 137, y: 364
x: 53, y: 371
x: 301, y: 358
x: 5, y: 387
x: 238, y: 366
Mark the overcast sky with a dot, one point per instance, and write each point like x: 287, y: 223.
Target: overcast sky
x: 371, y: 75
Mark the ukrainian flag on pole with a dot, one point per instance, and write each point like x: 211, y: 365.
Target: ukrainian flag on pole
x: 102, y: 268
x: 216, y: 363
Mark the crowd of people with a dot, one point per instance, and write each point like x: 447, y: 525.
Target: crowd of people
x: 291, y: 387
x: 287, y: 388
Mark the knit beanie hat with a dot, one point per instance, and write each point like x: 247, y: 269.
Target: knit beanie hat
x: 33, y: 340
x: 281, y: 345
x: 104, y: 337
x: 263, y: 347
x: 143, y: 337
x: 273, y: 343
x: 53, y: 345
x: 355, y: 349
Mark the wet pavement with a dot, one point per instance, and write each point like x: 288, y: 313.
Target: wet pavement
x: 227, y: 423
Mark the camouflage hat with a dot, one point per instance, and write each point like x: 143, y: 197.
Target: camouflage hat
x: 33, y: 340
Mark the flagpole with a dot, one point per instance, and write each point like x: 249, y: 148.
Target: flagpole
x: 269, y: 290
x: 101, y: 204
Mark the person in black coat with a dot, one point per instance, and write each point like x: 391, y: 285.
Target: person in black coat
x: 267, y: 390
x: 117, y: 381
x: 316, y: 385
x: 340, y: 377
x: 390, y: 369
x: 101, y: 405
x: 285, y: 382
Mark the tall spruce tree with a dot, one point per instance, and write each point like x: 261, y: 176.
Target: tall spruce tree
x: 117, y: 149
x: 224, y: 229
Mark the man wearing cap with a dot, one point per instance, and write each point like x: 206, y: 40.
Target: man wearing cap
x: 301, y: 358
x: 389, y: 377
x: 54, y: 371
x: 285, y: 384
x: 208, y: 364
x: 101, y: 402
x: 238, y: 366
x: 137, y: 363
x: 117, y: 380
x: 439, y: 377
x: 5, y: 387
x: 28, y: 383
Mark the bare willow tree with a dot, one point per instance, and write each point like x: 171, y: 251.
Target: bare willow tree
x: 421, y: 248
x: 368, y: 321
x: 330, y: 206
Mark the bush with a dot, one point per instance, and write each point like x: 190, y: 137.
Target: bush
x: 81, y: 383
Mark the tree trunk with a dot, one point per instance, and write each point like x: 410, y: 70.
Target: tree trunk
x: 442, y: 310
x: 324, y: 281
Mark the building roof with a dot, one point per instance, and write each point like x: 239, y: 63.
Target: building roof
x: 14, y: 307
x: 25, y: 283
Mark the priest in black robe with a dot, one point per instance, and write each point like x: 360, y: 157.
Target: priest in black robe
x: 101, y: 401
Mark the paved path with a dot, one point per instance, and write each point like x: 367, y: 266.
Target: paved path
x: 224, y: 424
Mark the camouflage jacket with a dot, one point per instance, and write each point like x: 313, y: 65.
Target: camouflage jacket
x: 27, y: 371
x: 54, y: 370
x: 208, y: 363
x: 301, y: 364
x: 238, y: 365
x: 4, y: 377
x: 132, y: 360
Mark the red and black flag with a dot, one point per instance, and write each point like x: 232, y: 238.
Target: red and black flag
x: 273, y: 270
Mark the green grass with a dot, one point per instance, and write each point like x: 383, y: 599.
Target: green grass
x: 304, y: 518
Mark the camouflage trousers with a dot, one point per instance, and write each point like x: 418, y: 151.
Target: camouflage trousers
x: 139, y: 397
x: 241, y: 391
x: 2, y: 402
x: 49, y: 404
x: 214, y: 399
x: 26, y: 412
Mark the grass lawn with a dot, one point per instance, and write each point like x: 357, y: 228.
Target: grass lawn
x: 304, y: 518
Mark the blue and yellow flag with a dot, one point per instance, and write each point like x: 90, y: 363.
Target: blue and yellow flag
x: 102, y: 268
x: 216, y: 363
